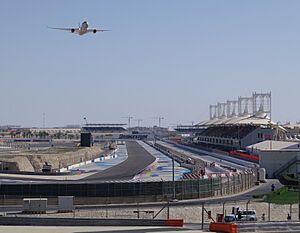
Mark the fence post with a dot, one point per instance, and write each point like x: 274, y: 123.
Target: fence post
x: 182, y: 190
x: 249, y: 180
x: 211, y: 187
x: 4, y: 205
x: 299, y: 199
x: 247, y: 204
x: 168, y: 210
x: 162, y: 189
x: 106, y: 211
x: 228, y: 186
x: 138, y: 210
x: 202, y: 218
x: 269, y: 211
x: 199, y: 187
x: 233, y: 183
x: 221, y: 187
x: 243, y: 180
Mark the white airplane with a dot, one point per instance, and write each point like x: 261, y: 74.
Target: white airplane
x: 82, y: 29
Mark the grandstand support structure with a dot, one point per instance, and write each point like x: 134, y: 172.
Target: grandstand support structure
x: 221, y: 110
x: 231, y: 108
x: 245, y: 105
x: 262, y: 103
x: 212, y: 111
x: 257, y: 103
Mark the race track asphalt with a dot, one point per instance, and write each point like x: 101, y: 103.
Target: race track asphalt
x: 138, y: 159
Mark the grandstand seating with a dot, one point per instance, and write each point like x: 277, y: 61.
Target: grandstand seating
x: 225, y: 137
x: 234, y: 132
x: 104, y: 129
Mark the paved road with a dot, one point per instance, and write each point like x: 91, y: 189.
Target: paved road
x: 88, y: 229
x: 226, y: 160
x: 138, y: 159
x: 209, y: 157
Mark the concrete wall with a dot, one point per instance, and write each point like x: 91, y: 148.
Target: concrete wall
x: 40, y: 221
x: 253, y: 138
x: 273, y: 160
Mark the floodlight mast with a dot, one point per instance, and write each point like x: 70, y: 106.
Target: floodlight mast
x: 85, y: 120
x: 139, y: 121
x: 160, y: 118
x: 129, y: 118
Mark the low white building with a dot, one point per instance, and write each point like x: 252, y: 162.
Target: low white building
x: 278, y: 157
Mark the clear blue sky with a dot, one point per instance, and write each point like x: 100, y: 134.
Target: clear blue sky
x: 168, y: 58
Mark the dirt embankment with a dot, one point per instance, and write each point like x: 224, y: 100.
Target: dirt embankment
x: 33, y: 160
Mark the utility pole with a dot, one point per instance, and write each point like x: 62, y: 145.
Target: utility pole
x: 173, y: 179
x: 85, y: 120
x: 159, y: 121
x: 139, y: 120
x: 44, y: 119
x: 160, y: 118
x: 129, y: 118
x: 298, y: 197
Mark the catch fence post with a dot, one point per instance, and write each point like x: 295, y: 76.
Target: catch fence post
x: 202, y: 218
x: 269, y: 211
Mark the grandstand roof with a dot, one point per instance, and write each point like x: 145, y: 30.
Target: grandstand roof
x: 291, y: 126
x: 275, y: 145
x: 102, y: 125
x: 103, y: 128
x: 257, y: 119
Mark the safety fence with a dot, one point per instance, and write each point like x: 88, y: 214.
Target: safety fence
x: 263, y: 212
x: 124, y: 192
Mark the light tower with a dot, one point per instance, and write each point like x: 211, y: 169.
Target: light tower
x: 44, y: 120
x: 160, y: 118
x: 138, y: 121
x: 85, y: 120
x: 129, y: 118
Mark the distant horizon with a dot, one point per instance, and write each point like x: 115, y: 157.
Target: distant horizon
x: 169, y: 59
x: 124, y: 123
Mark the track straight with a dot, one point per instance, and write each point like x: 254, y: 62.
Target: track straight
x: 138, y: 159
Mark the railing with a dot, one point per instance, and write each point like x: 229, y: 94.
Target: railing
x: 285, y: 166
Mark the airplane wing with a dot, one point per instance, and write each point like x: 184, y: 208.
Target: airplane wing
x: 67, y: 29
x: 97, y: 30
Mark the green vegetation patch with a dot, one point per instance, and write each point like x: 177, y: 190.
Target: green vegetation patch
x: 283, y: 196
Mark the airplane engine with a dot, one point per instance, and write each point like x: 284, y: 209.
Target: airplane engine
x: 72, y: 30
x: 94, y: 31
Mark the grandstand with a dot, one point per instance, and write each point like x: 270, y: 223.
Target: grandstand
x: 237, y: 124
x: 293, y: 131
x: 104, y: 131
x: 103, y: 128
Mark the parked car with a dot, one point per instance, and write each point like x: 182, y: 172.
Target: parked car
x: 246, y: 215
x: 230, y: 218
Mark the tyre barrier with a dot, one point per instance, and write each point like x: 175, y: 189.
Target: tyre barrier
x: 223, y: 227
x: 33, y: 212
x: 174, y: 222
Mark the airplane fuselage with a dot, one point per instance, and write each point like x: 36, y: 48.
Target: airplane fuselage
x: 83, y: 28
